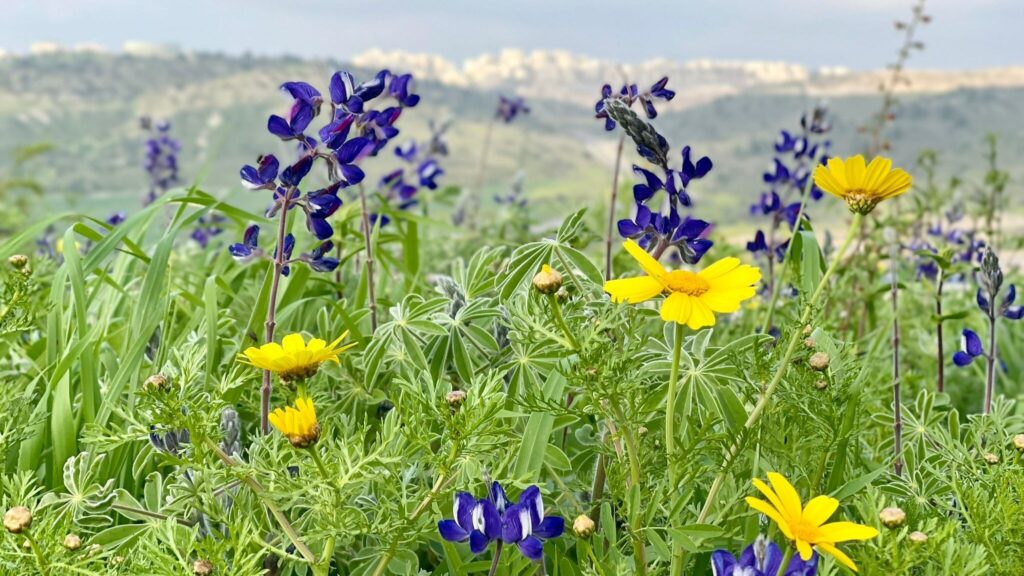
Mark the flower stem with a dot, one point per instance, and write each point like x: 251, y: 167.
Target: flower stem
x: 990, y: 366
x: 670, y: 397
x: 315, y: 454
x: 940, y: 383
x: 636, y: 524
x: 279, y: 262
x: 780, y: 373
x: 897, y: 410
x: 611, y: 210
x: 496, y: 559
x: 385, y: 558
x: 371, y: 289
x: 260, y: 492
x: 776, y: 286
x: 787, y: 556
x: 556, y: 313
x: 44, y: 569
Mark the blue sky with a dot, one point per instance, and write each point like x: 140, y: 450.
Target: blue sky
x: 853, y: 33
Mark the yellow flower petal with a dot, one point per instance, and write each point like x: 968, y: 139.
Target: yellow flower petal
x: 676, y: 308
x: 769, y: 494
x: 720, y: 268
x: 855, y: 172
x: 700, y: 315
x: 838, y: 555
x: 787, y: 495
x: 819, y: 509
x: 633, y: 290
x: 742, y: 276
x: 293, y: 343
x: 877, y: 172
x: 770, y: 511
x: 804, y: 549
x: 651, y: 266
x: 845, y: 531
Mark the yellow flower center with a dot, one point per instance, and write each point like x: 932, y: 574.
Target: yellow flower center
x: 686, y: 282
x: 805, y: 531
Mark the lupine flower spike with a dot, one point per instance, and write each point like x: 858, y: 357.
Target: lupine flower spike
x: 294, y: 359
x: 862, y: 187
x: 806, y: 526
x: 692, y: 298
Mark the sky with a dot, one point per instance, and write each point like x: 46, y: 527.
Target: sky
x: 858, y: 34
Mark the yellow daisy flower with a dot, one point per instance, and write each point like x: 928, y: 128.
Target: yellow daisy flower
x: 693, y: 297
x: 863, y: 187
x: 805, y: 526
x: 293, y: 358
x: 298, y: 424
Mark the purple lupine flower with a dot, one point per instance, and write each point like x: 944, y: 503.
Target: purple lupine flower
x: 263, y: 176
x: 970, y: 348
x: 248, y: 249
x: 762, y: 558
x: 319, y: 260
x: 788, y: 176
x: 292, y: 128
x: 628, y: 95
x: 353, y: 131
x: 161, y: 159
x: 428, y: 172
x: 289, y: 247
x: 207, y: 226
x: 477, y: 521
x: 657, y: 230
x: 320, y: 205
x: 525, y: 525
x: 510, y: 107
x: 116, y: 218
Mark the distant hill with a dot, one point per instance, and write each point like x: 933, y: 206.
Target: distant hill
x: 88, y: 106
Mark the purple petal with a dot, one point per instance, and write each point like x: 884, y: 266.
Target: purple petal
x: 451, y: 531
x: 962, y: 359
x: 478, y: 541
x: 532, y: 548
x: 499, y: 498
x: 532, y: 501
x: 550, y: 527
x: 463, y: 510
x: 279, y: 127
x: 723, y: 563
x: 971, y: 343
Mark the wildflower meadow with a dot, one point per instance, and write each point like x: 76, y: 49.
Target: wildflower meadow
x: 384, y: 370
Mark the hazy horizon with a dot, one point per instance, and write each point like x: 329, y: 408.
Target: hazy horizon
x: 813, y: 33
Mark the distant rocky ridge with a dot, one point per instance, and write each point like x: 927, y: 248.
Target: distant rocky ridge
x: 563, y: 76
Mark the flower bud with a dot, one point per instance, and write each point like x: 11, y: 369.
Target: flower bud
x: 155, y: 383
x: 821, y: 384
x: 18, y: 261
x: 583, y: 526
x: 991, y: 458
x: 1018, y: 442
x: 809, y: 342
x: 892, y: 517
x: 93, y: 549
x: 72, y: 542
x: 455, y: 398
x: 819, y: 361
x: 808, y: 330
x: 548, y: 280
x: 202, y: 568
x: 17, y: 519
x: 917, y: 537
